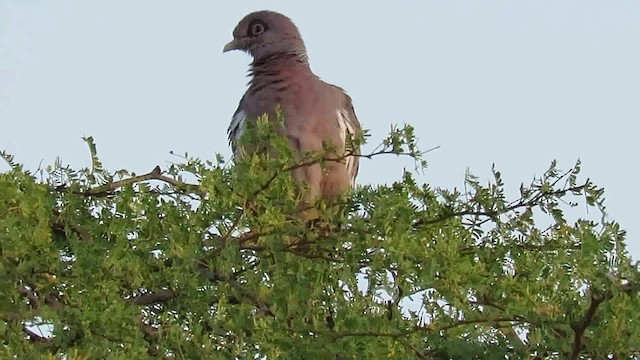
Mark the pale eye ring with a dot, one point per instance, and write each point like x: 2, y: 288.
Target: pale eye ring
x: 257, y: 29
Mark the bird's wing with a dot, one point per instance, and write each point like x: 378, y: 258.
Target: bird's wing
x: 237, y: 125
x: 349, y: 127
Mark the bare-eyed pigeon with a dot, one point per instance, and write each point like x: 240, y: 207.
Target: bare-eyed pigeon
x: 313, y: 110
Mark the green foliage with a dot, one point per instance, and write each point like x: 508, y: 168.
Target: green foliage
x: 114, y: 265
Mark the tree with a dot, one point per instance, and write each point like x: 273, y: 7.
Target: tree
x: 209, y: 260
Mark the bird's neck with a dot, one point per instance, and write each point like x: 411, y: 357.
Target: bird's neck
x: 275, y: 70
x: 280, y: 61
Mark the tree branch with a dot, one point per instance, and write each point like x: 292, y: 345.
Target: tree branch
x: 153, y: 297
x: 155, y: 174
x: 34, y: 302
x: 581, y: 325
x: 312, y: 160
x: 426, y: 328
x: 263, y: 307
x: 513, y: 206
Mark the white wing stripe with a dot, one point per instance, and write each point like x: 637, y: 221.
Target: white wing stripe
x: 236, y: 128
x: 347, y: 128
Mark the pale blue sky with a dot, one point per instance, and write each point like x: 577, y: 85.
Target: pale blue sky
x: 515, y: 83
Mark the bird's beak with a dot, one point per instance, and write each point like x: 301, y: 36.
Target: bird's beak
x: 232, y: 45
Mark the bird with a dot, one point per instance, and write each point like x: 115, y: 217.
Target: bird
x: 314, y: 112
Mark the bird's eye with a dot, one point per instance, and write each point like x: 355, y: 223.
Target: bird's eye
x: 256, y: 28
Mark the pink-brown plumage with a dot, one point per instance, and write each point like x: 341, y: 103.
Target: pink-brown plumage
x: 314, y: 111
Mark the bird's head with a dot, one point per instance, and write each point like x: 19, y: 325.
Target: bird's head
x: 265, y: 33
